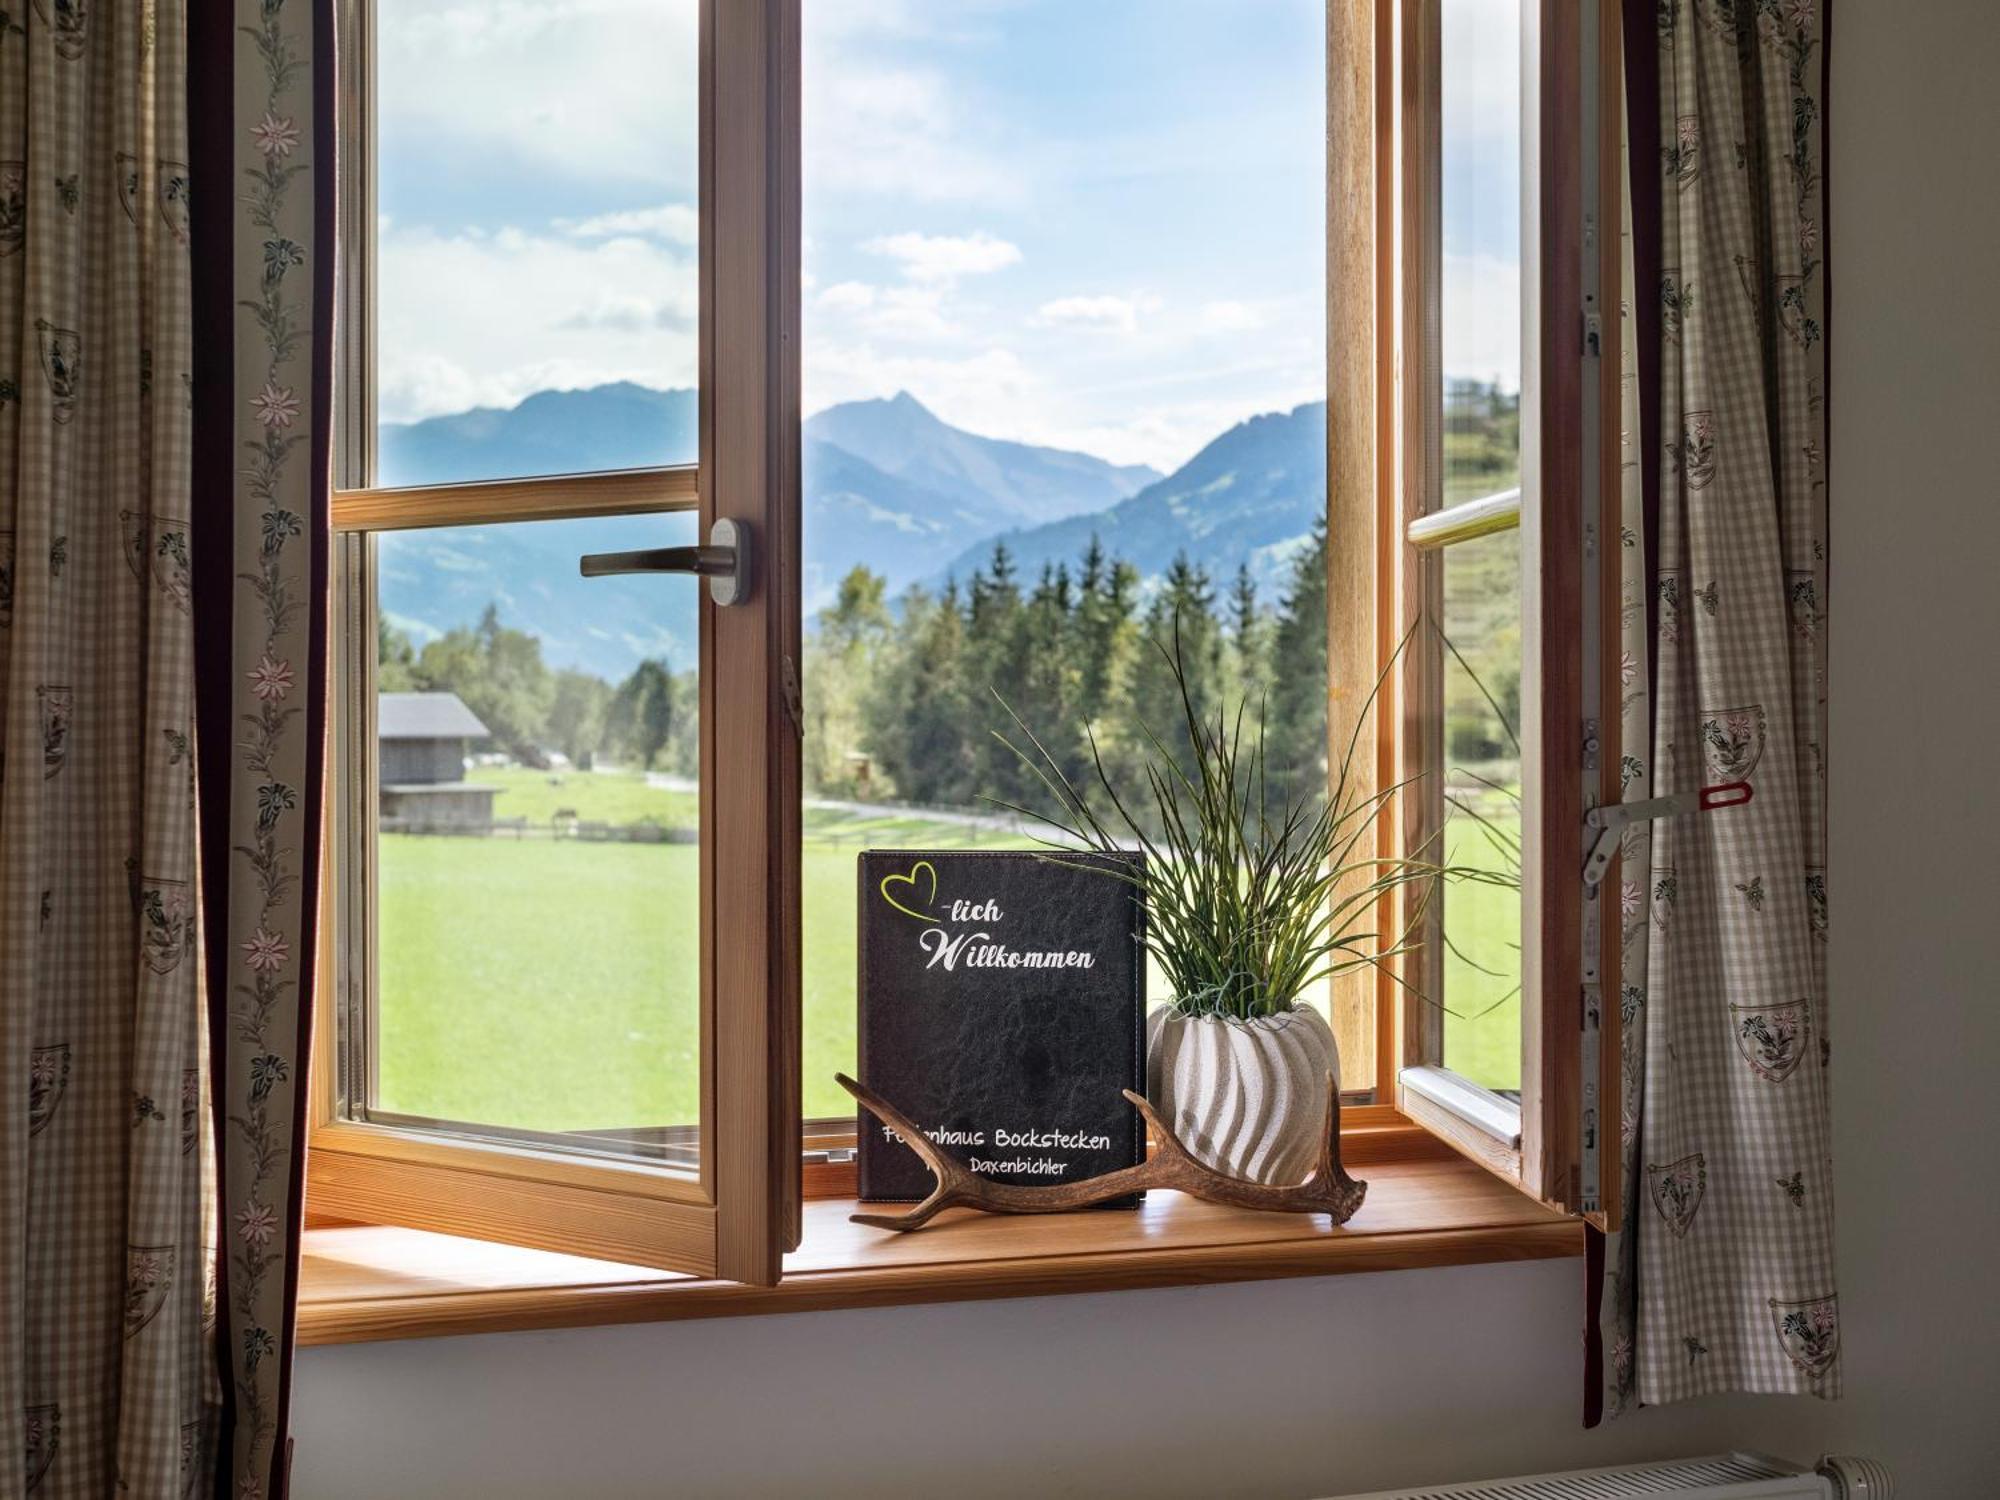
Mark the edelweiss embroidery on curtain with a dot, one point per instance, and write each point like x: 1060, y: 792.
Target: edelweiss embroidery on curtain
x: 267, y: 769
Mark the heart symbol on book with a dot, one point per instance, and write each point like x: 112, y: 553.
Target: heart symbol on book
x: 921, y: 867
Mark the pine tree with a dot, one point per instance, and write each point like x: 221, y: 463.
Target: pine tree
x: 1105, y: 633
x: 642, y: 718
x: 1045, y: 683
x: 1249, y: 647
x: 841, y: 658
x: 395, y: 659
x: 917, y: 713
x: 1295, y: 743
x: 1181, y: 618
x: 991, y: 663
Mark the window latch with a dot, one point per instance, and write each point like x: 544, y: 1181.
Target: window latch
x: 1610, y: 820
x: 724, y: 562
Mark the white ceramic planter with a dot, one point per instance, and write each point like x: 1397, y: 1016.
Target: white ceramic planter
x: 1246, y: 1097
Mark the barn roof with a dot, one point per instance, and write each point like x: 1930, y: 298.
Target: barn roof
x: 425, y: 716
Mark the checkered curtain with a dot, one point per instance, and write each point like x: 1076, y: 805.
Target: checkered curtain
x: 163, y: 507
x: 1724, y: 1278
x: 108, y: 1381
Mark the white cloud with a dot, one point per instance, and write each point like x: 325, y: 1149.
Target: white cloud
x: 897, y: 132
x: 848, y: 296
x: 486, y: 319
x: 983, y: 391
x: 1111, y: 314
x: 678, y: 223
x: 896, y: 311
x: 1232, y: 317
x: 593, y: 90
x: 1480, y: 72
x: 1480, y: 318
x: 941, y: 259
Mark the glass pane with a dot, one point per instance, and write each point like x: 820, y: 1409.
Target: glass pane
x: 1064, y: 283
x: 1480, y: 298
x: 1482, y: 723
x: 538, y: 875
x: 536, y: 280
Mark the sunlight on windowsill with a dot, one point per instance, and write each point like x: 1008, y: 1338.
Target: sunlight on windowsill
x: 359, y: 1283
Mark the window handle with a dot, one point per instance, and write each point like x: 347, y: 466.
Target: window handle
x: 724, y: 561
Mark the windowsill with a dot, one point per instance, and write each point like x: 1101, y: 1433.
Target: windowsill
x: 360, y: 1283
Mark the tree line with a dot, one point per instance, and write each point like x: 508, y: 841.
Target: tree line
x: 909, y: 701
x: 530, y: 708
x: 903, y: 698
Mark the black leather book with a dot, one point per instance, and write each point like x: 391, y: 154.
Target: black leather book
x: 1002, y: 999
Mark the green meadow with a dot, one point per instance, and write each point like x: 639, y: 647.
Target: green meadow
x: 550, y: 983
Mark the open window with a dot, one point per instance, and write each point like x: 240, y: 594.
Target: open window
x: 623, y: 943
x: 481, y: 905
x: 1475, y: 493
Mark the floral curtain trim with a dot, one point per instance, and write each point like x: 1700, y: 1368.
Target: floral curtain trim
x: 276, y: 670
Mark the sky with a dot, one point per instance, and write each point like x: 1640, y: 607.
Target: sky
x: 1093, y: 224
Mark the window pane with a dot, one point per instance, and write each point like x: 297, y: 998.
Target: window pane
x: 1482, y: 721
x: 1065, y: 271
x: 538, y: 875
x: 536, y: 272
x: 1480, y: 298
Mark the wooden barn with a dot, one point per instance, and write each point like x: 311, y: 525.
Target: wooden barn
x: 422, y: 740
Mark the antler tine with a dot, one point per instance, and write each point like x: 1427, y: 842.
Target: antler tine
x: 1330, y: 1175
x: 1329, y: 1156
x: 1163, y: 1135
x: 950, y: 1176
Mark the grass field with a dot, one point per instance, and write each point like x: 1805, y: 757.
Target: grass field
x: 550, y: 984
x: 1482, y: 1002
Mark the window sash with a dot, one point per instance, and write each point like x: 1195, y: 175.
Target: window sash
x: 739, y: 1212
x: 1385, y: 468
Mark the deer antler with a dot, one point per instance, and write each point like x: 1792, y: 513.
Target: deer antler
x: 1328, y: 1190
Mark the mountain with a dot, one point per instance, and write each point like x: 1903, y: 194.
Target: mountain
x: 1026, y: 484
x: 886, y: 483
x: 1251, y: 496
x: 621, y: 426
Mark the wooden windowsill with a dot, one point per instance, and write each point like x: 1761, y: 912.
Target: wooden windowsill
x: 359, y: 1283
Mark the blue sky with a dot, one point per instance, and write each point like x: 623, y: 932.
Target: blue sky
x: 1091, y: 223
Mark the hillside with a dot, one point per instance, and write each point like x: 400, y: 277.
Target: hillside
x: 1251, y: 496
x: 1024, y: 484
x: 886, y: 483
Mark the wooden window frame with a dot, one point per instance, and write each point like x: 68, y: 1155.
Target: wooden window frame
x: 1388, y: 535
x: 359, y: 1176
x: 735, y: 1217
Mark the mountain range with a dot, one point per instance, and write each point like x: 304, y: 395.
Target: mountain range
x: 886, y: 483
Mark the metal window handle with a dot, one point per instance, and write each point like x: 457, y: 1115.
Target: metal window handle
x: 724, y: 561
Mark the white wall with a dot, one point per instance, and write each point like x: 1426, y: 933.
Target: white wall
x: 1302, y: 1387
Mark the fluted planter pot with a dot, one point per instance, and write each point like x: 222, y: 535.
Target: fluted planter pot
x: 1246, y: 1097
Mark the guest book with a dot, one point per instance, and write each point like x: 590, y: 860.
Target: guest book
x: 1002, y: 1008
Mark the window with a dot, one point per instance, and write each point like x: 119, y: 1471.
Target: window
x: 734, y: 262
x: 566, y: 844
x: 1065, y: 375
x: 1487, y: 496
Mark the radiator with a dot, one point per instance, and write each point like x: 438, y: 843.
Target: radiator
x: 1727, y: 1476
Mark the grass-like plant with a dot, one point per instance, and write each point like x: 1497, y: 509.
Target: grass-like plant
x: 1247, y: 904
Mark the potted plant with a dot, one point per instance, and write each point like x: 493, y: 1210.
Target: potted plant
x: 1248, y: 905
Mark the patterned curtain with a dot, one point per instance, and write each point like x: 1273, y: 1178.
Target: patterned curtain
x: 1724, y: 1279
x: 163, y: 504
x: 107, y: 1376
x: 262, y: 85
